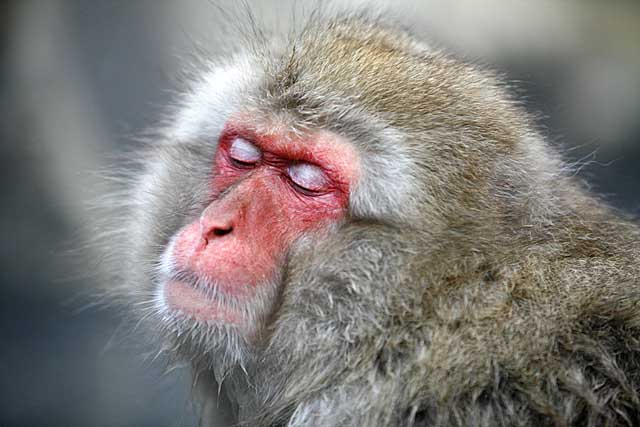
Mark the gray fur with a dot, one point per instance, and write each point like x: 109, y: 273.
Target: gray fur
x: 474, y: 283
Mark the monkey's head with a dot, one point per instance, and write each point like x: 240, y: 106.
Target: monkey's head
x: 276, y: 151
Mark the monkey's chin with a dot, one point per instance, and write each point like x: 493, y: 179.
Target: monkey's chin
x: 190, y: 301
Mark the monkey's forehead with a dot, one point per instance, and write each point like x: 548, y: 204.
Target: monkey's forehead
x: 337, y: 66
x: 407, y: 108
x: 351, y: 75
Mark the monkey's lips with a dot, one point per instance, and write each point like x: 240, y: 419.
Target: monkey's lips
x: 197, y: 304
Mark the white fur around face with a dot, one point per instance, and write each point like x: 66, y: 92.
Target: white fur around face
x: 210, y: 101
x: 388, y: 184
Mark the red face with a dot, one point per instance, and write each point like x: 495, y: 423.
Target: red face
x: 268, y: 190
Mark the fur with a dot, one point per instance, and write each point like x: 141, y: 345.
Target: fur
x: 474, y: 283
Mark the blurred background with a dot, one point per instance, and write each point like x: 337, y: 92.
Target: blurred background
x: 79, y: 78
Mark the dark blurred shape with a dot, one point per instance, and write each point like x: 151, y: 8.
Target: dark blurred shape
x: 58, y: 364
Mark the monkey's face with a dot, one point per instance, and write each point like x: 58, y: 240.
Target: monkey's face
x: 268, y: 189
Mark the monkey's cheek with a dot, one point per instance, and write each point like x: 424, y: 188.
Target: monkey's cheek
x: 186, y: 300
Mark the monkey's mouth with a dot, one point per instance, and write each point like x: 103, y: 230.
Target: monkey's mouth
x: 186, y: 299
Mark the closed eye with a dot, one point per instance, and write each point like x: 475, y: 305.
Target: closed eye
x: 308, y: 179
x: 243, y: 153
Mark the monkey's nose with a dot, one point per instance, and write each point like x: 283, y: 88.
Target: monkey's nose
x: 219, y: 219
x: 214, y: 229
x: 216, y: 232
x: 221, y: 231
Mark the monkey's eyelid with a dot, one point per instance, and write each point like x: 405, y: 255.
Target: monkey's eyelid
x: 244, y: 152
x: 307, y: 176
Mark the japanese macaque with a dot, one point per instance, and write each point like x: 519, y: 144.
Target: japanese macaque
x: 346, y: 227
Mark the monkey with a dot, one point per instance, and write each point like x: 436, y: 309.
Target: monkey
x: 348, y: 227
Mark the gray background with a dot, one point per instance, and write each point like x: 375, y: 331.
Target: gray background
x: 79, y: 78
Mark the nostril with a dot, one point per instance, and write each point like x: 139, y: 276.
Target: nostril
x: 222, y: 231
